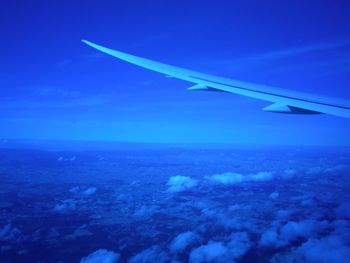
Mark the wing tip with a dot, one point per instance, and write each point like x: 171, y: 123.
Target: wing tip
x: 87, y: 42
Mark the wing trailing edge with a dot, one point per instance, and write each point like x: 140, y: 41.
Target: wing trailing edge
x: 282, y: 108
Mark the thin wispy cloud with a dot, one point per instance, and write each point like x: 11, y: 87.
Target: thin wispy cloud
x: 261, y: 59
x: 45, y: 104
x: 63, y: 63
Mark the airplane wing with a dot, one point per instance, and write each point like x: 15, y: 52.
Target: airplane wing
x: 283, y: 101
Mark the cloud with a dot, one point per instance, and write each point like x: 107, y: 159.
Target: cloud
x: 183, y: 241
x: 324, y: 250
x: 101, y: 256
x: 270, y: 238
x: 293, y: 230
x: 65, y: 206
x: 145, y: 212
x: 63, y: 63
x: 90, y: 191
x: 81, y: 231
x: 289, y: 52
x: 83, y: 190
x: 285, y: 213
x: 289, y: 173
x: 236, y: 246
x: 324, y: 170
x: 279, y: 236
x: 150, y: 255
x: 260, y: 176
x: 10, y: 233
x: 180, y: 183
x: 260, y: 59
x: 53, y: 103
x: 235, y: 178
x: 227, y: 178
x: 66, y: 159
x: 211, y: 252
x: 274, y: 195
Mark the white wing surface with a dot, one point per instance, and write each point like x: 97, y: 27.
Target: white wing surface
x: 283, y: 101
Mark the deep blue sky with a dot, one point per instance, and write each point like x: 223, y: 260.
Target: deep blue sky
x: 52, y: 86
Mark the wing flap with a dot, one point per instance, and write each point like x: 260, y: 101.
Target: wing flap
x: 282, y: 108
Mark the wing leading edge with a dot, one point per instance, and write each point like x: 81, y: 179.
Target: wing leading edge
x: 283, y: 101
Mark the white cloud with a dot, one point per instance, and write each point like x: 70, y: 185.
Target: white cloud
x: 285, y: 213
x: 150, y: 255
x: 270, y: 238
x: 235, y: 178
x: 83, y: 190
x: 182, y: 241
x: 101, y: 256
x: 274, y: 195
x: 211, y: 252
x: 236, y: 246
x: 144, y: 212
x: 81, y: 231
x: 66, y: 159
x: 293, y: 230
x: 227, y: 178
x: 65, y: 206
x: 289, y: 173
x: 324, y: 250
x: 10, y: 233
x: 90, y: 191
x: 279, y: 236
x: 237, y: 207
x: 261, y: 176
x: 180, y: 183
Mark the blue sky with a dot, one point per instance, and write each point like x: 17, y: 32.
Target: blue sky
x: 52, y: 86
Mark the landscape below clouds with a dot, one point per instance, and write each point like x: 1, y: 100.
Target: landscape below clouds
x: 175, y: 205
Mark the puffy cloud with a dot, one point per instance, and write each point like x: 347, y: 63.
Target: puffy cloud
x: 324, y: 250
x: 270, y: 238
x: 226, y: 178
x: 10, y: 233
x: 145, y: 212
x: 293, y: 230
x: 183, y: 241
x: 238, y: 207
x: 235, y: 178
x: 279, y: 236
x: 83, y: 190
x: 150, y: 255
x: 285, y: 213
x: 90, y: 191
x: 261, y: 176
x: 237, y: 245
x: 289, y: 173
x: 66, y: 159
x: 324, y: 170
x: 101, y: 256
x: 274, y: 195
x: 211, y: 252
x: 181, y: 183
x: 81, y: 231
x: 65, y: 206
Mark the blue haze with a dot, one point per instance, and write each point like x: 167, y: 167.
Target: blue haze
x: 54, y: 87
